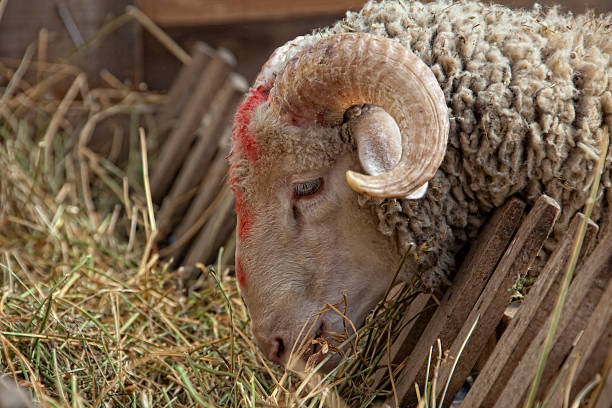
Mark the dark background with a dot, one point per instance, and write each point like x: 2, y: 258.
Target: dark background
x: 251, y: 30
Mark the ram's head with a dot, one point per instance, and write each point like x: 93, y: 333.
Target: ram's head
x: 323, y: 112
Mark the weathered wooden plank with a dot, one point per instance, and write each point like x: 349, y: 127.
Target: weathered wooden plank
x: 599, y: 322
x: 199, y: 157
x: 210, y: 187
x: 605, y: 397
x: 197, y: 12
x: 489, y: 309
x: 459, y: 299
x: 530, y: 317
x: 184, y: 85
x: 180, y: 140
x: 582, y: 295
x: 564, y: 344
x: 214, y: 230
x: 593, y: 363
x: 588, y: 244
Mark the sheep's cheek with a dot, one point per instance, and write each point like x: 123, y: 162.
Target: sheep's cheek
x: 249, y: 149
x: 245, y: 222
x: 245, y: 217
x: 240, y: 273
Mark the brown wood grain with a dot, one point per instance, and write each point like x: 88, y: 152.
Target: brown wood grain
x: 182, y: 136
x: 605, y: 397
x: 196, y: 12
x: 209, y: 189
x: 184, y: 85
x: 215, y: 230
x: 582, y: 296
x: 602, y: 351
x: 463, y: 294
x: 530, y: 317
x: 199, y: 158
x: 581, y: 314
x: 600, y: 322
x: 489, y: 308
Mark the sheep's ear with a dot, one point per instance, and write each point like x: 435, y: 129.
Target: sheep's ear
x: 378, y: 139
x: 418, y: 193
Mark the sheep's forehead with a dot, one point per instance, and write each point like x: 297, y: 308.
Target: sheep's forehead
x: 284, y: 150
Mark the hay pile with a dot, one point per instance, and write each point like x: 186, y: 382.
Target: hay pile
x: 89, y: 314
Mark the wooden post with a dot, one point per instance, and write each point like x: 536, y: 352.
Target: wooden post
x: 414, y: 322
x: 214, y: 230
x: 197, y: 164
x: 491, y: 304
x: 531, y: 316
x: 599, y: 322
x: 583, y: 292
x: 181, y: 139
x: 605, y: 397
x: 210, y: 187
x: 185, y: 84
x: 462, y: 295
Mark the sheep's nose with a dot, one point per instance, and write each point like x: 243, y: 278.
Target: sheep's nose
x: 274, y: 349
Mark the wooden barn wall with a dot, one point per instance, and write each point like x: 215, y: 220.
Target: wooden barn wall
x: 131, y: 55
x: 253, y: 41
x: 23, y: 20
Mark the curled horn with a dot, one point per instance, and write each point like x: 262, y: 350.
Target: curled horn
x: 326, y: 78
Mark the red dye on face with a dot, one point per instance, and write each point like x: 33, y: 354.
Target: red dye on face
x: 240, y: 274
x: 248, y: 147
x: 243, y: 118
x: 245, y: 217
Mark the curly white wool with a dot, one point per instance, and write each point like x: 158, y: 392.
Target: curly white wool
x: 528, y: 93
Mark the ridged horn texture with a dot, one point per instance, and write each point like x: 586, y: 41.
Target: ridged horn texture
x: 325, y: 79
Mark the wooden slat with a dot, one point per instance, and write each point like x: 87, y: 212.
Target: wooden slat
x: 215, y: 230
x: 198, y: 12
x: 605, y: 397
x: 489, y: 309
x: 199, y: 157
x: 531, y: 316
x: 599, y: 322
x: 184, y: 85
x: 459, y: 299
x: 593, y: 363
x: 178, y: 144
x: 577, y: 323
x: 210, y: 187
x: 582, y: 293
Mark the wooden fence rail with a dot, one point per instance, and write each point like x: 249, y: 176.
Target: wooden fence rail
x: 196, y: 214
x: 504, y: 251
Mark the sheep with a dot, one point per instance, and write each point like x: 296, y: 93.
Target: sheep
x: 510, y: 103
x: 11, y: 396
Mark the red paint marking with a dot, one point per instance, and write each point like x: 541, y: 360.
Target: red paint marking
x: 246, y: 140
x: 243, y: 118
x: 245, y: 218
x: 240, y: 274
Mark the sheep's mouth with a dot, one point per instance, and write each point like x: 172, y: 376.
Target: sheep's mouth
x: 320, y: 346
x: 317, y: 342
x: 315, y: 346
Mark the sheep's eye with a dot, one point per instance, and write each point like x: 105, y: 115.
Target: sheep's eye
x: 308, y: 188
